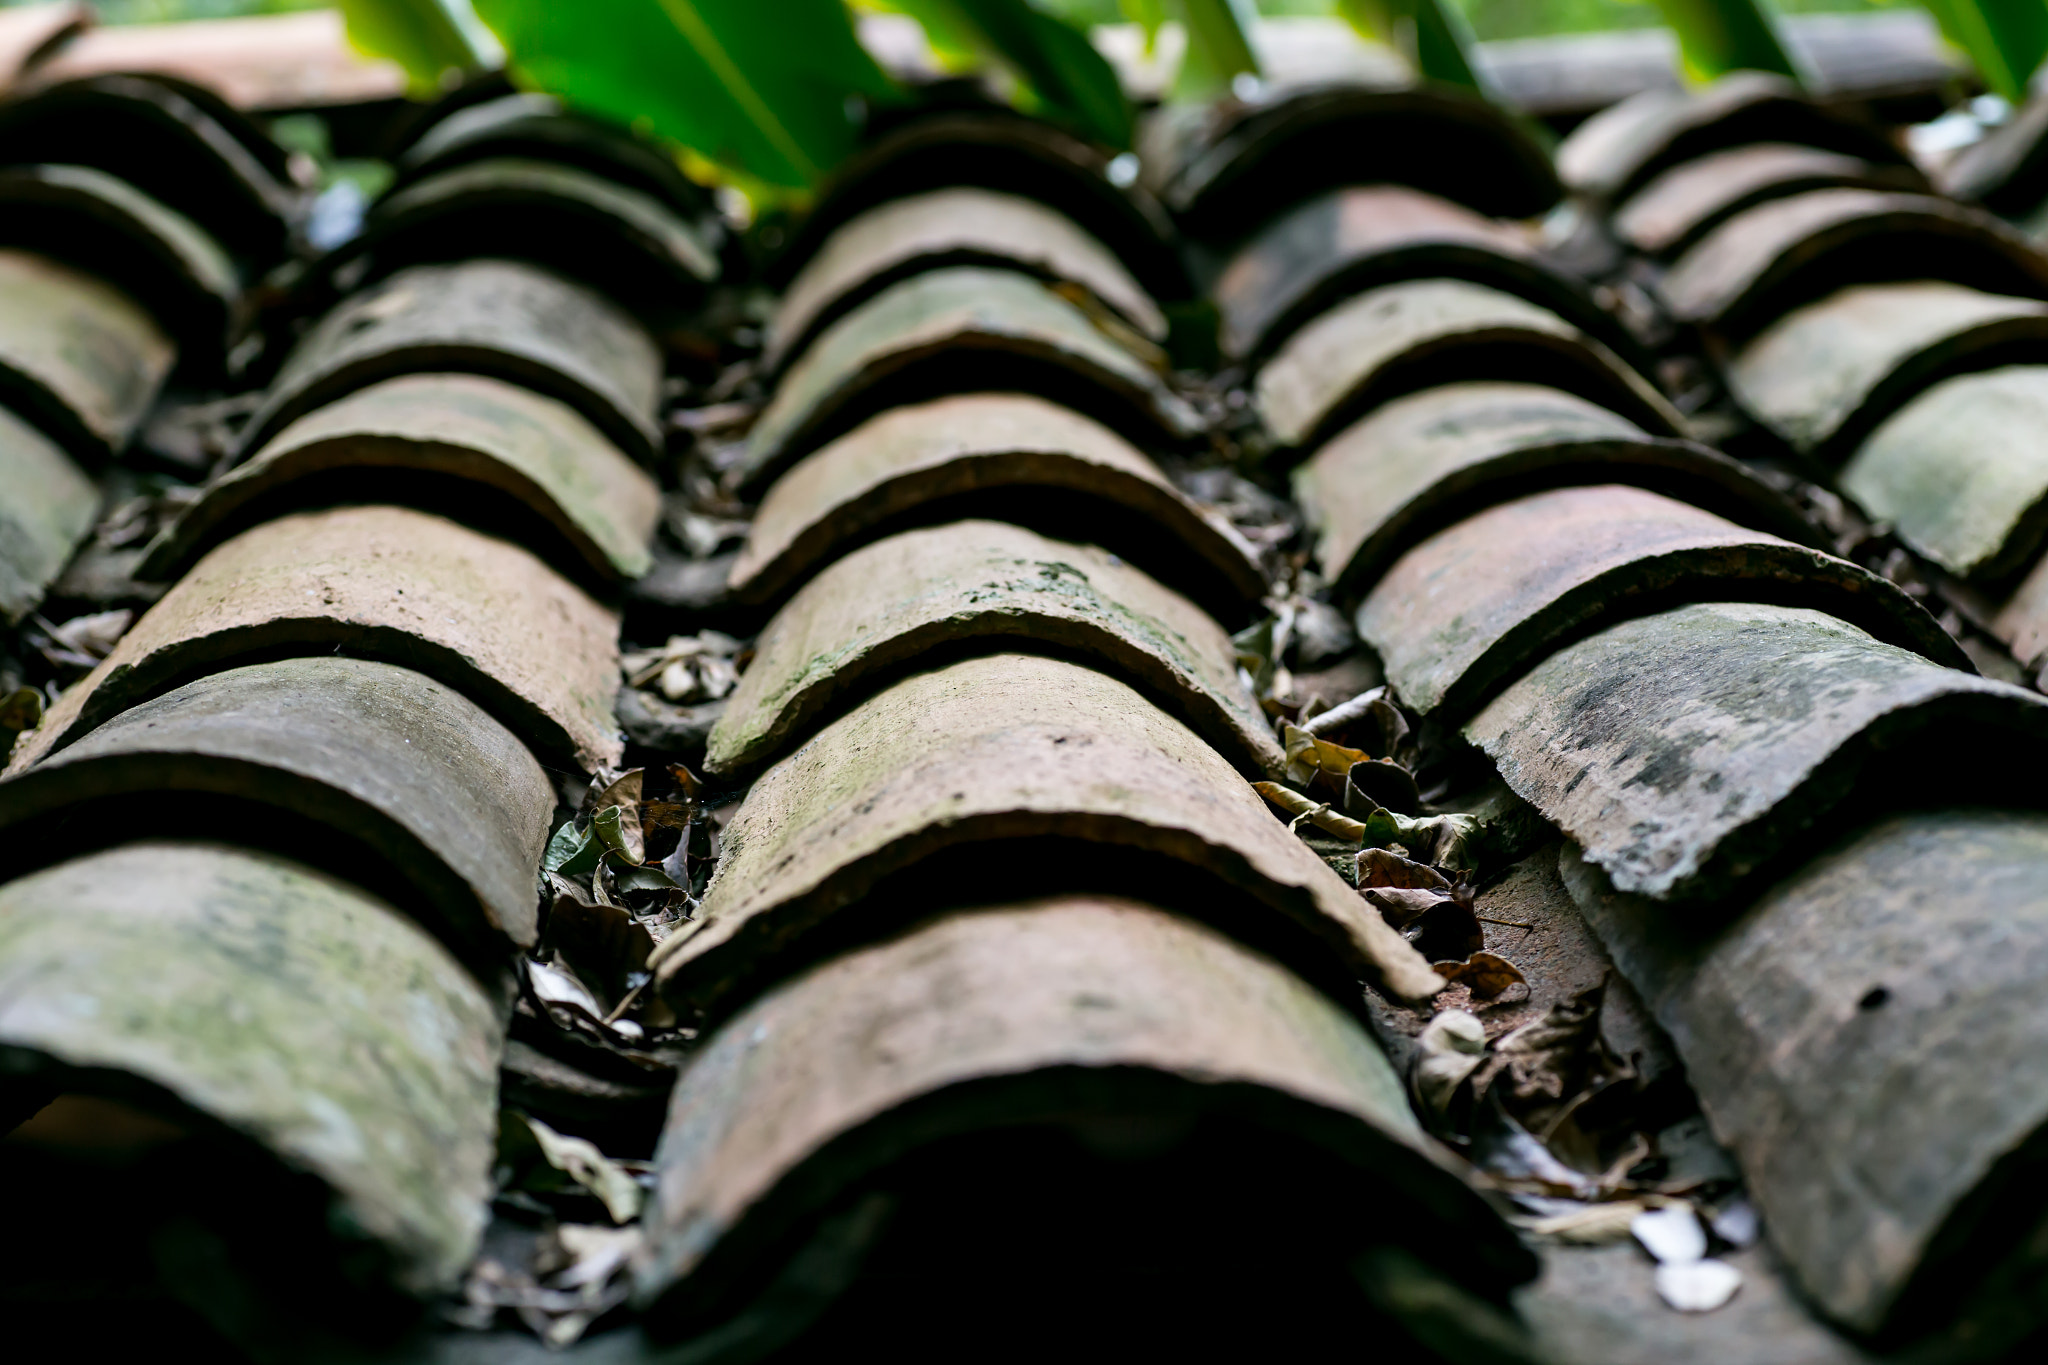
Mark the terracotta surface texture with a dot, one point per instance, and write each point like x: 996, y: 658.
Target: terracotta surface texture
x: 1824, y: 376
x: 995, y: 747
x: 1002, y: 322
x: 596, y: 507
x: 1422, y: 462
x: 1684, y: 750
x: 891, y: 604
x: 286, y: 1005
x: 500, y: 318
x: 47, y: 505
x: 77, y: 356
x: 1398, y: 338
x: 409, y: 769
x: 1005, y: 1016
x: 480, y: 615
x: 1677, y: 208
x: 950, y: 227
x: 923, y: 458
x: 1475, y: 605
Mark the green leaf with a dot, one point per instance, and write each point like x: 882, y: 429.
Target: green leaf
x: 1431, y: 34
x: 605, y: 825
x: 769, y: 87
x: 1716, y: 37
x: 1063, y: 73
x: 1147, y: 15
x: 570, y: 853
x: 423, y: 36
x: 2006, y: 39
x: 1217, y: 48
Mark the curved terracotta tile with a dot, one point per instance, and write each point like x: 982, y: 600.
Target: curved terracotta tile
x: 961, y: 225
x: 1823, y: 377
x: 997, y: 748
x: 1685, y: 750
x: 1355, y: 238
x: 643, y: 254
x: 995, y: 150
x: 1422, y: 462
x: 1478, y: 603
x: 1900, y: 963
x: 960, y: 329
x: 1004, y: 454
x: 2007, y: 168
x: 166, y: 143
x: 109, y: 229
x: 537, y: 126
x: 1762, y: 263
x: 1236, y: 171
x: 1393, y: 340
x: 477, y: 613
x: 336, y: 1034
x: 78, y: 358
x: 436, y: 799
x: 1000, y: 1017
x: 1618, y: 150
x: 891, y: 604
x: 1678, y: 207
x: 1961, y: 471
x: 464, y: 444
x: 504, y: 319
x: 47, y: 505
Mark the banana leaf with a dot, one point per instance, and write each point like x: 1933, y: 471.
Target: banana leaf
x: 1062, y: 73
x: 2005, y: 39
x: 422, y: 36
x: 1431, y: 34
x: 1716, y: 37
x: 773, y: 88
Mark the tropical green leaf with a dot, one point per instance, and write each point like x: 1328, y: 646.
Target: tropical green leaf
x: 1431, y: 34
x: 1062, y: 73
x: 1716, y: 37
x: 423, y: 36
x: 770, y: 87
x: 2005, y: 39
x: 1218, y: 48
x: 1146, y: 14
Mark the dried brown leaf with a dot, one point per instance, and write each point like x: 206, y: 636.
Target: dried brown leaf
x: 1486, y: 975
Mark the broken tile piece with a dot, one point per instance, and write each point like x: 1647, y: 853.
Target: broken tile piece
x: 47, y: 505
x: 479, y: 614
x: 995, y: 1018
x: 1391, y: 341
x: 618, y: 238
x: 1478, y: 603
x: 1423, y: 462
x: 958, y: 329
x: 1824, y: 376
x: 1684, y: 750
x: 109, y: 229
x: 1618, y: 150
x: 469, y: 441
x: 1680, y: 206
x: 536, y: 126
x: 1901, y: 962
x: 955, y: 226
x: 293, y: 1008
x: 999, y: 748
x: 399, y: 776
x: 1226, y: 170
x: 1355, y: 238
x: 79, y: 358
x: 1005, y: 454
x: 1962, y: 471
x: 173, y: 141
x: 996, y: 149
x: 505, y: 319
x: 1767, y: 260
x: 883, y: 607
